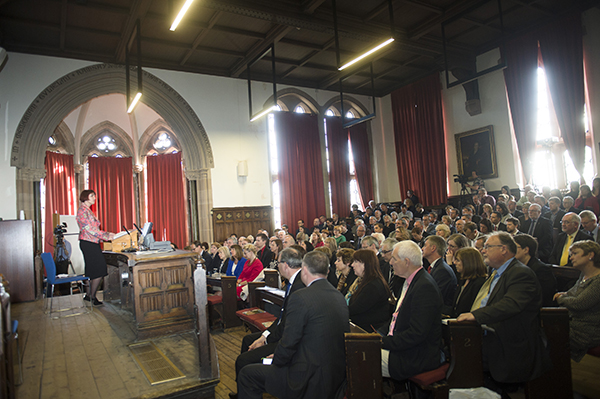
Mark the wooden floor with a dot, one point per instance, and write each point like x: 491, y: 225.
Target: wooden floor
x: 86, y: 356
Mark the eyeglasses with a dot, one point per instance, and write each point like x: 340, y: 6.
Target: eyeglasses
x: 386, y: 252
x: 492, y: 246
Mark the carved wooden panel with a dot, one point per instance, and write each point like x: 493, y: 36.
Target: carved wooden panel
x: 241, y: 221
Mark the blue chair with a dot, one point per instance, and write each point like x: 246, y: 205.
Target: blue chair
x: 15, y: 333
x: 51, y: 281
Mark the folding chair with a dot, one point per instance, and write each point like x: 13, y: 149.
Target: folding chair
x: 51, y: 281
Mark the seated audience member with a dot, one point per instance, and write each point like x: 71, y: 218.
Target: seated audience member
x: 447, y: 220
x: 454, y: 243
x: 512, y: 226
x: 574, y: 190
x: 360, y: 234
x: 485, y: 226
x: 276, y: 246
x: 512, y: 208
x: 541, y: 201
x: 301, y: 235
x: 523, y: 198
x: 525, y: 216
x: 509, y: 302
x: 487, y: 211
x: 416, y: 234
x: 502, y: 208
x: 372, y: 244
x: 263, y: 252
x: 252, y: 268
x: 442, y: 230
x: 419, y: 211
x: 237, y: 261
x: 288, y: 241
x: 555, y: 215
x: 586, y: 201
x: 412, y: 196
x: 480, y: 243
x: 394, y: 282
x: 471, y: 233
x: 337, y: 234
x: 433, y: 251
x: 368, y: 304
x: 333, y: 247
x: 413, y: 340
x: 506, y: 191
x: 526, y: 249
x: 589, y: 222
x: 308, y: 247
x: 473, y: 273
x: 540, y: 228
x: 496, y: 220
x: 342, y: 277
x: 215, y: 262
x: 459, y: 225
x: 485, y: 198
x: 570, y: 234
x: 221, y: 260
x: 569, y: 205
x: 401, y: 234
x: 309, y: 360
x: 583, y: 299
x: 201, y: 248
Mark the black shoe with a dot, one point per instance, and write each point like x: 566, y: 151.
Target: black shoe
x: 232, y: 395
x: 86, y: 297
x: 96, y: 302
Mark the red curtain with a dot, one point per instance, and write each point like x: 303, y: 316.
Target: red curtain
x: 339, y: 170
x: 300, y: 169
x: 420, y: 140
x: 520, y: 77
x: 166, y: 198
x: 112, y: 180
x: 60, y: 192
x: 362, y: 162
x: 561, y: 44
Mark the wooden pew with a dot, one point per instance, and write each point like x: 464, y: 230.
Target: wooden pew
x: 466, y: 362
x: 566, y: 277
x: 363, y: 366
x: 226, y: 306
x: 555, y: 383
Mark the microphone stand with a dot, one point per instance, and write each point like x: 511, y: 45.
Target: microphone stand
x: 130, y: 249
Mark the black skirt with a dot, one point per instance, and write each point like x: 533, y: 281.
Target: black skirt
x: 95, y: 265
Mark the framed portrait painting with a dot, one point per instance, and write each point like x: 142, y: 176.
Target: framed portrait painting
x: 476, y: 152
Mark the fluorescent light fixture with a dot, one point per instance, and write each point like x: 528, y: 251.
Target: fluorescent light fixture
x: 182, y: 12
x: 263, y: 113
x: 134, y: 102
x: 368, y: 53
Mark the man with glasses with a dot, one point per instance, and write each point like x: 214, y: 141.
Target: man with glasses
x: 509, y: 304
x: 589, y: 222
x: 394, y: 282
x: 256, y: 346
x: 540, y: 228
x: 570, y: 234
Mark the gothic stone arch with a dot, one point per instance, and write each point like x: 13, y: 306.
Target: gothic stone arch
x: 55, y: 102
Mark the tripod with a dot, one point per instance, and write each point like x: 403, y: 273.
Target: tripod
x: 463, y: 198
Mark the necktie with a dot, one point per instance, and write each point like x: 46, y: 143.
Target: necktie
x: 532, y: 227
x: 564, y: 259
x: 495, y: 227
x: 395, y: 315
x: 484, y: 291
x: 287, y: 292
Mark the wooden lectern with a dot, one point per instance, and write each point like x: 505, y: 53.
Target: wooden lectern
x: 123, y: 242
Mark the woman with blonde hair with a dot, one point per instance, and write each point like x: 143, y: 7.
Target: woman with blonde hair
x: 221, y: 260
x: 472, y: 271
x: 443, y: 231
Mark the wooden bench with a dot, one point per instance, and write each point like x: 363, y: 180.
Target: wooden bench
x: 566, y: 277
x: 258, y: 317
x: 222, y: 308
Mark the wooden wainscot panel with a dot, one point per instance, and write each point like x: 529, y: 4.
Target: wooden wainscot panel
x: 241, y: 221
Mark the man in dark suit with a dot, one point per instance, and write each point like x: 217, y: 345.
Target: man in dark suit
x: 570, y: 234
x: 496, y: 219
x: 442, y: 273
x: 310, y: 359
x: 509, y: 303
x: 264, y: 254
x: 526, y: 249
x: 259, y: 345
x: 589, y: 222
x: 394, y: 282
x: 413, y: 340
x: 540, y: 228
x: 360, y: 234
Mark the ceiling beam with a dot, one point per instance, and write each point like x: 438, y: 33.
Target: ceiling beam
x: 211, y: 23
x: 138, y: 11
x: 432, y: 23
x: 63, y: 24
x: 273, y: 36
x: 307, y: 58
x: 309, y: 6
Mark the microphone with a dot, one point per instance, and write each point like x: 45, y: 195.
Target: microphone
x: 138, y: 229
x: 130, y: 239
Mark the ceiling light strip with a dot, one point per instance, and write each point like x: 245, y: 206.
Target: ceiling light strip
x: 368, y: 53
x: 182, y: 12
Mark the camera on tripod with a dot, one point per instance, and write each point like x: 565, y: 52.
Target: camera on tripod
x: 59, y: 232
x: 462, y: 179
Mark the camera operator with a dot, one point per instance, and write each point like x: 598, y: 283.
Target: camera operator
x: 476, y: 184
x: 90, y: 236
